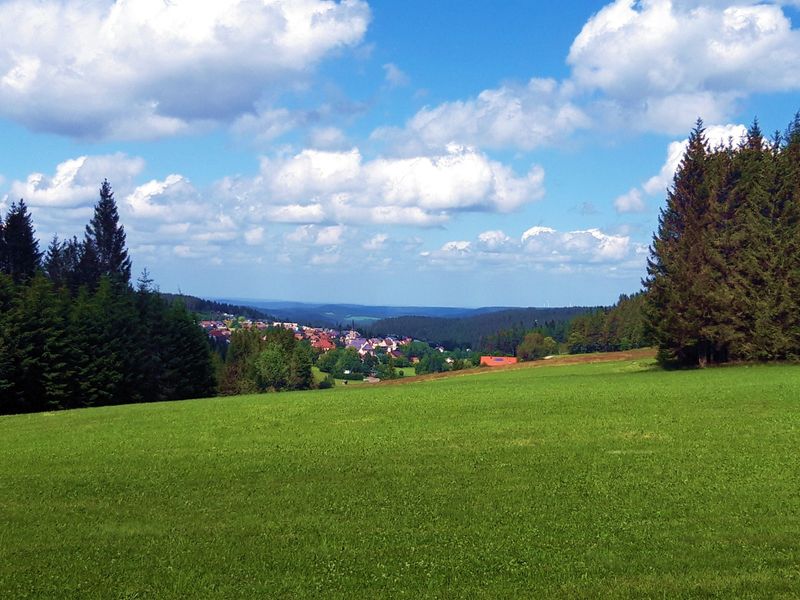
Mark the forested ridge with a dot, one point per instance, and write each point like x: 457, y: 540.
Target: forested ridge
x: 477, y: 331
x: 724, y: 267
x: 73, y: 330
x: 215, y: 309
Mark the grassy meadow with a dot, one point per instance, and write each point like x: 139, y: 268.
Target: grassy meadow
x: 594, y: 480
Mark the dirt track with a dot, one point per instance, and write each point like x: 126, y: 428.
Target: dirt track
x: 569, y: 359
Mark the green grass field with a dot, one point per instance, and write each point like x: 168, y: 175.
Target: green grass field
x: 319, y: 375
x: 599, y: 480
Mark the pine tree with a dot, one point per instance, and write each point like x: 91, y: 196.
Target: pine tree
x: 677, y: 281
x: 188, y: 372
x: 106, y: 238
x: 22, y: 256
x: 53, y: 264
x: 749, y: 246
x: 39, y: 356
x: 788, y: 240
x: 7, y: 295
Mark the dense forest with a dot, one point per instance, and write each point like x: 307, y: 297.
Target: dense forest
x: 481, y: 331
x: 73, y: 330
x: 724, y: 267
x: 620, y: 327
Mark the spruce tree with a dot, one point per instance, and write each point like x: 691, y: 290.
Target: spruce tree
x: 22, y: 256
x: 39, y: 355
x: 788, y: 240
x: 53, y: 263
x: 106, y: 237
x: 676, y: 283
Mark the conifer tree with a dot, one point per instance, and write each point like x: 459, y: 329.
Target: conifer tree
x: 22, y: 256
x: 676, y: 268
x: 787, y: 281
x: 40, y: 361
x: 105, y: 237
x: 53, y: 264
x: 188, y: 371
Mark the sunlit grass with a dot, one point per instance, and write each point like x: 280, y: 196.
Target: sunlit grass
x: 609, y: 479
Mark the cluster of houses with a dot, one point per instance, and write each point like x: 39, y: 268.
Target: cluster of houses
x: 320, y: 338
x: 327, y: 339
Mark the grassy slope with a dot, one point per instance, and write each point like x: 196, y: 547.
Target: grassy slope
x: 579, y: 481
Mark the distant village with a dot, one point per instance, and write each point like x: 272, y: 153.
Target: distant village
x: 320, y: 339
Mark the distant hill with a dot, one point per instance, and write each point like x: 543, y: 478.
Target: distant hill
x: 359, y: 314
x: 214, y: 308
x: 467, y: 331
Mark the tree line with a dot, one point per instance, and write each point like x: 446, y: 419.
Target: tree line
x: 75, y: 333
x: 724, y: 268
x: 493, y: 332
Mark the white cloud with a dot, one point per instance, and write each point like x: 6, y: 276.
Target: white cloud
x: 142, y: 68
x: 341, y: 187
x: 394, y: 76
x: 458, y: 247
x: 641, y: 65
x: 173, y: 199
x: 630, y: 202
x: 494, y: 240
x: 330, y: 236
x: 581, y: 246
x: 376, y: 242
x: 526, y: 117
x: 544, y: 248
x: 661, y: 64
x: 254, y: 236
x: 76, y: 182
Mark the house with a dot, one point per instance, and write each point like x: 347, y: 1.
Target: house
x: 323, y: 343
x: 498, y: 361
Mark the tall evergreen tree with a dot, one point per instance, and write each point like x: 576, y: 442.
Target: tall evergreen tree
x: 677, y: 275
x: 22, y: 256
x: 106, y: 238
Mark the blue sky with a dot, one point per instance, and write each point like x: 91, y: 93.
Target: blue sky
x: 431, y: 153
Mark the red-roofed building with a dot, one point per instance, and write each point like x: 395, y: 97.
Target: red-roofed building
x: 498, y: 361
x: 324, y: 343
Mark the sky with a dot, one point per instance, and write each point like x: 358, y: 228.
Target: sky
x: 448, y: 153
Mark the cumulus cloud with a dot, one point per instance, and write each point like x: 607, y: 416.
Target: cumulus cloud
x: 314, y: 186
x: 144, y: 68
x: 524, y: 117
x: 76, y: 182
x: 326, y: 193
x: 376, y: 242
x: 630, y: 202
x: 649, y: 65
x: 493, y: 241
x: 544, y: 248
x: 661, y: 64
x: 173, y: 199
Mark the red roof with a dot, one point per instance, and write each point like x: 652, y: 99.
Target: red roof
x: 498, y: 361
x: 323, y: 343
